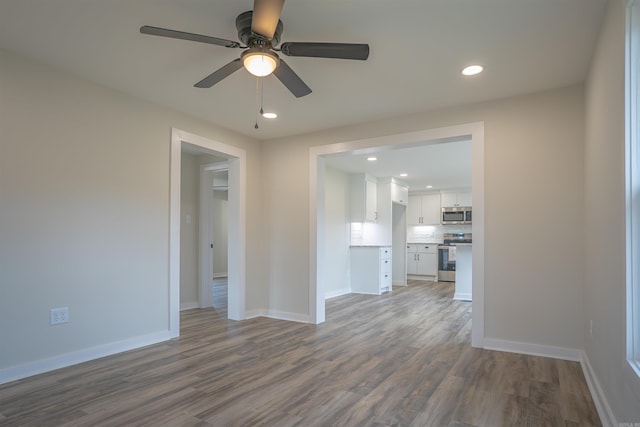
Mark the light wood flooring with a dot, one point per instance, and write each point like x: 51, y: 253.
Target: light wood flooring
x: 400, y: 359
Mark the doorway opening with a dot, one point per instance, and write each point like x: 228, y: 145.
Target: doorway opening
x: 318, y: 241
x: 236, y: 271
x: 214, y: 232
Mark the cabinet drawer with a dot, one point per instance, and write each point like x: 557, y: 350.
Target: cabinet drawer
x: 385, y: 253
x: 428, y: 248
x: 385, y: 282
x: 385, y: 266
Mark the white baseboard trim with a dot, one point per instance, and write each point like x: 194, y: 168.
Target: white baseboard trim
x: 399, y: 283
x: 189, y: 305
x: 337, y: 293
x: 280, y: 315
x: 462, y: 296
x: 607, y: 417
x: 45, y: 365
x: 563, y: 353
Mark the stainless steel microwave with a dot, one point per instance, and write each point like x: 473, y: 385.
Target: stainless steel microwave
x: 453, y: 216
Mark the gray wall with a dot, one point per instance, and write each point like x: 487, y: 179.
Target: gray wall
x: 84, y: 224
x: 604, y: 289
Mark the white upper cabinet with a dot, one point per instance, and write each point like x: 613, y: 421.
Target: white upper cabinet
x: 399, y: 193
x: 364, y: 198
x: 454, y: 199
x: 424, y: 209
x: 431, y: 209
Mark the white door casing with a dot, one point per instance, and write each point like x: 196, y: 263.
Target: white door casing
x: 237, y: 160
x: 474, y: 131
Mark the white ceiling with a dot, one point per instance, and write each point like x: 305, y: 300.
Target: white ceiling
x: 443, y: 166
x: 418, y: 48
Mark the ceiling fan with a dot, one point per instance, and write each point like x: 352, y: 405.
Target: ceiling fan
x: 259, y: 32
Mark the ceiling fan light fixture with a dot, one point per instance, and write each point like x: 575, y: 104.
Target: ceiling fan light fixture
x: 260, y: 62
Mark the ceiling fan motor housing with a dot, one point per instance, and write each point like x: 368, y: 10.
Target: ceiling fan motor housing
x: 251, y: 39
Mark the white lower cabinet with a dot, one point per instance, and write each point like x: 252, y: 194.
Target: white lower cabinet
x: 422, y: 259
x: 370, y: 269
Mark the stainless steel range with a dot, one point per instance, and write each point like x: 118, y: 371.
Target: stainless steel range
x: 447, y: 255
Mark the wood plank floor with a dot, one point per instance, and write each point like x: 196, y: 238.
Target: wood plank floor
x: 400, y: 359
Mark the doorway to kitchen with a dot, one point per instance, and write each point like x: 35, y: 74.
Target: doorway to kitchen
x: 320, y: 246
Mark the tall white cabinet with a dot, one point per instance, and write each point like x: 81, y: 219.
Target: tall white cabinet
x: 364, y: 198
x: 371, y: 269
x: 399, y: 193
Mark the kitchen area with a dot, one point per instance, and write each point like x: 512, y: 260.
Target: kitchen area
x: 439, y: 238
x: 414, y: 224
x: 432, y: 244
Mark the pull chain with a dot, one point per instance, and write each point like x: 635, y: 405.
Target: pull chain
x: 257, y: 92
x: 261, y: 98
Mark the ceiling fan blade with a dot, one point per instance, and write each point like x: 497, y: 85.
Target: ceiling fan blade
x: 220, y: 74
x: 327, y: 50
x: 266, y: 14
x: 174, y: 34
x: 290, y: 79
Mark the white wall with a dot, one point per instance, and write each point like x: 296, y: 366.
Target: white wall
x: 604, y: 290
x: 189, y: 231
x: 84, y: 199
x: 534, y: 173
x: 337, y: 232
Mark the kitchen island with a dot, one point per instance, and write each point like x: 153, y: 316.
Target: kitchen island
x: 463, y: 272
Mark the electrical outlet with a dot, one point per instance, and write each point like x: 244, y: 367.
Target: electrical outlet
x: 59, y: 315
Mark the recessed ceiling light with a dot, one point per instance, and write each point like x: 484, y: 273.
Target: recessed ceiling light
x: 268, y: 115
x: 429, y: 186
x: 472, y: 70
x: 372, y: 159
x: 404, y: 174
